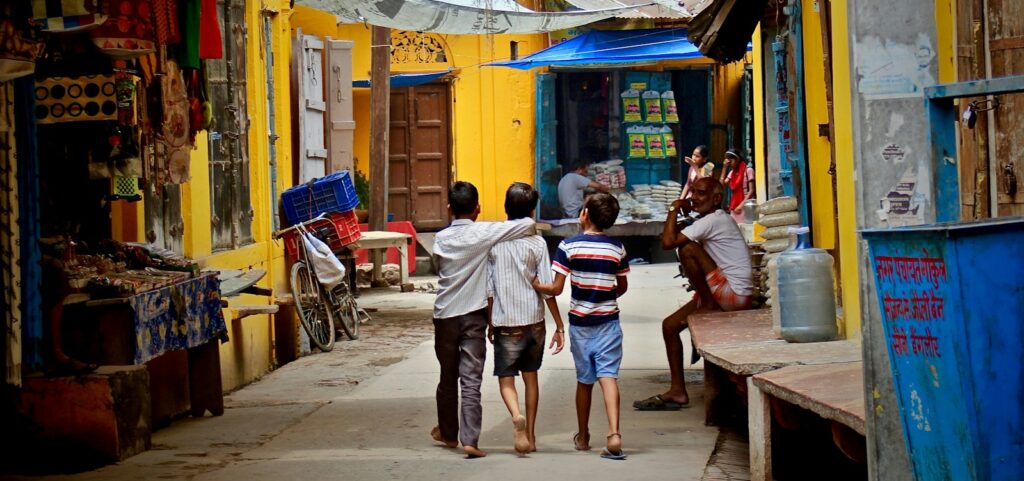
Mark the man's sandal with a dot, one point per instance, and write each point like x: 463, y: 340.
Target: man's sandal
x: 614, y: 448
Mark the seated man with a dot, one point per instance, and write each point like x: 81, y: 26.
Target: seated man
x: 572, y: 187
x: 716, y: 260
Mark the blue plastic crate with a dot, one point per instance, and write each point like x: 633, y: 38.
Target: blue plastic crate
x: 332, y: 193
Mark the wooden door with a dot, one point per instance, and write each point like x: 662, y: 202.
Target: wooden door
x: 339, y: 105
x: 991, y: 160
x: 310, y: 108
x: 420, y: 155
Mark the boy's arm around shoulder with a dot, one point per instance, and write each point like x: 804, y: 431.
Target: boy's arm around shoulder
x: 554, y: 288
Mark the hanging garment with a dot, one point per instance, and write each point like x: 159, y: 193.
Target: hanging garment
x: 165, y: 17
x: 172, y: 142
x: 18, y: 52
x: 128, y: 33
x: 9, y: 251
x: 66, y: 15
x: 188, y: 50
x: 211, y: 45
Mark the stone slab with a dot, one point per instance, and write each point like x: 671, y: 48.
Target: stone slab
x: 833, y: 391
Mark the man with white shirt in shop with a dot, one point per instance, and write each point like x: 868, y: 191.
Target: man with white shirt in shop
x: 460, y: 314
x: 572, y: 187
x: 716, y: 260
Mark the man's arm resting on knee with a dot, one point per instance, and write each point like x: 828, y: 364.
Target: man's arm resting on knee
x: 671, y: 237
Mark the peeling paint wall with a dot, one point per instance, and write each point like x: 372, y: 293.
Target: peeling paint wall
x: 894, y: 48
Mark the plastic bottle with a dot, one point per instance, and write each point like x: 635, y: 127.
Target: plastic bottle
x: 805, y: 295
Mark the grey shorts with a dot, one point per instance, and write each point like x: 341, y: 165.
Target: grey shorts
x: 518, y: 349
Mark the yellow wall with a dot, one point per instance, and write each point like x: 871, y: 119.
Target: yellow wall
x: 819, y: 150
x: 845, y: 171
x: 760, y: 171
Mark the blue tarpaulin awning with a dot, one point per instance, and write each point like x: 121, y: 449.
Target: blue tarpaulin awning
x: 406, y: 79
x: 611, y: 47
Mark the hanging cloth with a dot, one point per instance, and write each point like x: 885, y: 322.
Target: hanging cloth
x: 165, y: 15
x: 188, y: 51
x: 211, y: 45
x: 11, y: 256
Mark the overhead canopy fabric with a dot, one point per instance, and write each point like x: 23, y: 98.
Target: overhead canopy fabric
x: 661, y: 8
x: 724, y: 28
x: 459, y: 16
x: 406, y: 79
x: 612, y: 47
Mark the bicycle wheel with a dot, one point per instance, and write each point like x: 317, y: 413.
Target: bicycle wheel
x: 348, y: 313
x: 313, y: 311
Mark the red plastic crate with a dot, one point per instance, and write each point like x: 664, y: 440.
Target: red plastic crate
x: 336, y: 229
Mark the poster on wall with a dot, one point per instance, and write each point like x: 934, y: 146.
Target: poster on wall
x: 889, y: 70
x: 905, y: 203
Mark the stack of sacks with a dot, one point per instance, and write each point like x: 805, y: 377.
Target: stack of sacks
x: 666, y: 192
x: 627, y: 206
x: 609, y: 172
x: 778, y: 216
x: 647, y: 207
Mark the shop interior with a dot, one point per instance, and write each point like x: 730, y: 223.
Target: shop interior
x: 592, y: 126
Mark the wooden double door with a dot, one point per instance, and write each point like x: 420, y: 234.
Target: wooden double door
x: 420, y: 155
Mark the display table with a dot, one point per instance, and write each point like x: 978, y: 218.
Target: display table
x: 172, y: 330
x: 377, y: 242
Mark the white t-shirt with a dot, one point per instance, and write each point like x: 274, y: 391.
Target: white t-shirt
x: 723, y: 241
x: 570, y: 193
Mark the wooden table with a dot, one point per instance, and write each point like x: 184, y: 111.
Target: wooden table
x: 377, y: 242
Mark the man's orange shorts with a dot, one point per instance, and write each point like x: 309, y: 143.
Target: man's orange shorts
x: 723, y: 293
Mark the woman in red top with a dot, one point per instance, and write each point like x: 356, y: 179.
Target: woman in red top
x: 738, y: 177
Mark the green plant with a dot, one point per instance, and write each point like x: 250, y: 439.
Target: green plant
x: 362, y: 189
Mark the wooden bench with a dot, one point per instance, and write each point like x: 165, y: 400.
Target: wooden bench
x: 742, y: 354
x: 833, y: 391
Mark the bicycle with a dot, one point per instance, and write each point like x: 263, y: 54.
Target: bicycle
x: 321, y: 310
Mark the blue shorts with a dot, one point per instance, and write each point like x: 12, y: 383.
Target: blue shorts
x: 597, y: 351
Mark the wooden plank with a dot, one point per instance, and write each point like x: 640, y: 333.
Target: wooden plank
x: 731, y: 328
x: 316, y: 153
x: 380, y: 98
x: 241, y: 312
x: 757, y: 357
x: 318, y: 105
x: 234, y: 286
x: 759, y: 416
x: 313, y: 43
x: 832, y: 391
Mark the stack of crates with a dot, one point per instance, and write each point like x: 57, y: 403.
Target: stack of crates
x: 335, y: 197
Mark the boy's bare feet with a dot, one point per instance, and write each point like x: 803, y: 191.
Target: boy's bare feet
x: 522, y: 441
x: 436, y: 434
x: 472, y: 452
x: 581, y: 441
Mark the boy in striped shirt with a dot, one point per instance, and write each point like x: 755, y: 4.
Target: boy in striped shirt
x: 596, y: 265
x: 516, y: 321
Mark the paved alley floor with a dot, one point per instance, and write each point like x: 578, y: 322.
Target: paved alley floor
x: 364, y: 411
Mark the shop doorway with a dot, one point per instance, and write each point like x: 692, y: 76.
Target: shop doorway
x: 420, y: 155
x: 580, y: 117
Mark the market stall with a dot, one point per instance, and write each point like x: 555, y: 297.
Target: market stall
x: 137, y: 304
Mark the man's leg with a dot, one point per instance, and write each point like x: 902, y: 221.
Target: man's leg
x: 698, y: 264
x: 446, y: 348
x: 473, y: 347
x: 532, y: 401
x: 671, y: 328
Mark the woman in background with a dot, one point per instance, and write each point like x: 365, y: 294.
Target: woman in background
x: 738, y: 178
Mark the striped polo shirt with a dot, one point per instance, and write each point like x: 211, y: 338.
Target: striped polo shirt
x: 592, y: 262
x: 513, y: 266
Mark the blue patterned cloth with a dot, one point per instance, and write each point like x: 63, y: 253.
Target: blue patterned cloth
x: 180, y: 316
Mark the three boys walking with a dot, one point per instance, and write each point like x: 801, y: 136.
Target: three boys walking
x: 494, y: 282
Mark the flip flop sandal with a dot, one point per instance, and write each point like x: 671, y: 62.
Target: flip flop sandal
x: 605, y: 454
x: 585, y: 446
x: 656, y: 403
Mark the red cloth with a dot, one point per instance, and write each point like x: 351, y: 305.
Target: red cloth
x: 165, y: 15
x: 737, y: 184
x: 211, y: 45
x: 392, y: 256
